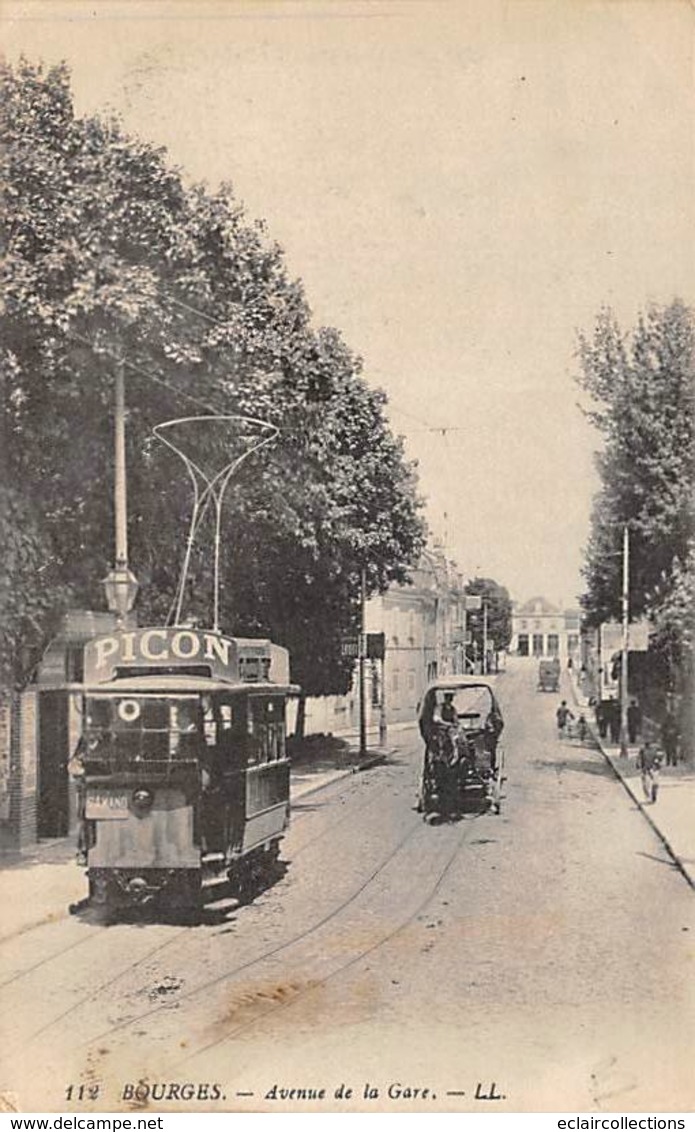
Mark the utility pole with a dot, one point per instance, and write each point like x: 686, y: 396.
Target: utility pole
x: 484, y: 637
x: 120, y: 583
x: 624, y: 658
x: 363, y: 651
x: 120, y: 499
x: 383, y: 729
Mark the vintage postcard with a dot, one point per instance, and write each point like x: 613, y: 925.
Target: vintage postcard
x: 363, y: 783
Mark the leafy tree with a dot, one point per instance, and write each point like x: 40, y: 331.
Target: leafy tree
x: 499, y: 613
x: 643, y: 388
x: 109, y: 255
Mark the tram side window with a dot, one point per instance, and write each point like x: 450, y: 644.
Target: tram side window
x: 266, y: 729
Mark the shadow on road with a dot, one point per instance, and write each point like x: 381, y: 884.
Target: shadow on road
x: 583, y: 766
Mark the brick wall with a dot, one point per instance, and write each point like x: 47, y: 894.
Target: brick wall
x: 19, y: 764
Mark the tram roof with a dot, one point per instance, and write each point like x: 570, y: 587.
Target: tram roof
x: 183, y: 683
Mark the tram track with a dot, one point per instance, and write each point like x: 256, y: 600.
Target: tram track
x: 341, y: 968
x: 316, y: 984
x: 271, y: 953
x: 183, y: 933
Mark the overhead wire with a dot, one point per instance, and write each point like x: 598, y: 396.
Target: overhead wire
x: 442, y: 430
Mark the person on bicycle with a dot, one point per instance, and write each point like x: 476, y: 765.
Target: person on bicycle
x: 563, y: 715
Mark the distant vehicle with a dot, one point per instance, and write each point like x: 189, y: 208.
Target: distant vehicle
x: 549, y: 675
x: 460, y: 722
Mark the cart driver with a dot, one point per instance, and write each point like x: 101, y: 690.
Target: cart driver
x: 447, y: 711
x: 446, y: 716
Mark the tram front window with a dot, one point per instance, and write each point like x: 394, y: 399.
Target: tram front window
x: 135, y: 729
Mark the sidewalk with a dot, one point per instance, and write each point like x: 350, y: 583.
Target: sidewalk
x: 671, y: 816
x: 309, y: 775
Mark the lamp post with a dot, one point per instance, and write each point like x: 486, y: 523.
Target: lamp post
x: 120, y: 584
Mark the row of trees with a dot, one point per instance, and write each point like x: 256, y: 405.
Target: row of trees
x: 110, y: 254
x: 642, y: 384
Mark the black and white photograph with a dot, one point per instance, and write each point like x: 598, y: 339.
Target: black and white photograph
x: 347, y: 557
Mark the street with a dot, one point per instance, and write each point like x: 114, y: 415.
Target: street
x: 536, y: 960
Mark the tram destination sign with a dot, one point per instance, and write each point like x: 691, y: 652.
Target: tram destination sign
x: 160, y: 647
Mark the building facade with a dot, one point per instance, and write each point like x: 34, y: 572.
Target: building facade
x: 423, y: 625
x: 541, y: 629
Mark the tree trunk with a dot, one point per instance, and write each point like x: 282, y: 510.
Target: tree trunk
x: 301, y: 718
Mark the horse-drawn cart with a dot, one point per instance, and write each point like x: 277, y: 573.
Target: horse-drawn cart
x: 460, y: 722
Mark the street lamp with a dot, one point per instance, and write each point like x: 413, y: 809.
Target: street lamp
x: 120, y: 584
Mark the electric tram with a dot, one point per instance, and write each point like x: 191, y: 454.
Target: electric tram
x: 184, y: 778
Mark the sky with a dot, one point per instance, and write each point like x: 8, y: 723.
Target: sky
x: 460, y: 185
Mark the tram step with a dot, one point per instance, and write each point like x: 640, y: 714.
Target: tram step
x: 209, y: 860
x: 210, y: 885
x: 225, y: 904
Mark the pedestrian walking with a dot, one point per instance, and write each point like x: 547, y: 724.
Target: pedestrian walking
x: 602, y: 718
x: 649, y: 762
x: 563, y: 715
x: 634, y: 721
x: 669, y: 737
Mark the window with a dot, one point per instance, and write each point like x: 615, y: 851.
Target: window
x: 553, y: 644
x: 143, y: 727
x: 266, y: 729
x: 522, y: 647
x: 538, y: 644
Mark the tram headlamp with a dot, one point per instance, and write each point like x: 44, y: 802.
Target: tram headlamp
x: 129, y: 710
x: 142, y: 800
x: 138, y: 888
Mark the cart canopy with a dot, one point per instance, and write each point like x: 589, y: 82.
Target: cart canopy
x: 475, y: 702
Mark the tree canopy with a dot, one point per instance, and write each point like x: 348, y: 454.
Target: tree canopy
x: 499, y: 613
x: 642, y: 384
x: 111, y: 255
